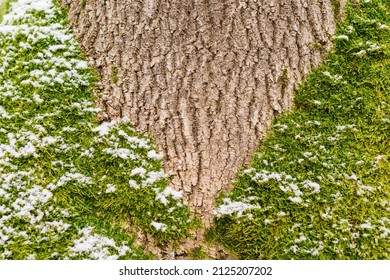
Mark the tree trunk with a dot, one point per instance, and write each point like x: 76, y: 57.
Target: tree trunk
x: 204, y: 77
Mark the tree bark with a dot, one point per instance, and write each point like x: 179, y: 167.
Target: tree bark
x: 204, y: 77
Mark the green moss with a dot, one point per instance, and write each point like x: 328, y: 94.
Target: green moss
x: 198, y: 254
x: 283, y: 79
x: 336, y: 8
x: 4, y: 5
x: 114, y: 74
x: 317, y: 46
x: 83, y: 4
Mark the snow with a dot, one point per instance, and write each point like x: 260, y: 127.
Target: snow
x: 335, y: 77
x: 104, y: 128
x: 300, y: 239
x: 230, y: 207
x: 133, y: 184
x: 96, y: 246
x: 341, y: 37
x: 153, y: 155
x: 296, y: 199
x: 138, y: 171
x: 167, y: 192
x: 366, y: 225
x: 159, y: 226
x: 315, y: 187
x: 154, y: 176
x: 78, y: 177
x: 120, y: 152
x: 110, y: 188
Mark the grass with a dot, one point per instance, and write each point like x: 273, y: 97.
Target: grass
x: 68, y: 184
x: 319, y: 185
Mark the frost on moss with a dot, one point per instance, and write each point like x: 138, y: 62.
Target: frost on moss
x: 319, y: 185
x: 65, y: 188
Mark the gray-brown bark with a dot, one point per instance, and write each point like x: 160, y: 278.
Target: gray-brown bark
x: 205, y: 77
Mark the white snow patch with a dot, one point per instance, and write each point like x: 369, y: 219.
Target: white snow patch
x: 110, y: 188
x: 138, y: 171
x: 96, y: 246
x: 159, y: 226
x: 153, y: 155
x: 168, y: 191
x: 231, y: 207
x: 104, y: 128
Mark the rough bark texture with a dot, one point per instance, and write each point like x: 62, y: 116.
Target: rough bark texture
x: 204, y: 77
